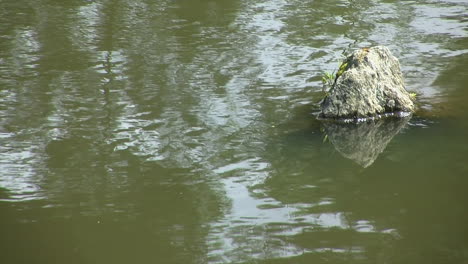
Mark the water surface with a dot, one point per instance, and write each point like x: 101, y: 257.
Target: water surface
x: 185, y: 132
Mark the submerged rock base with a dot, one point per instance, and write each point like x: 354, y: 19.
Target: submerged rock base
x: 368, y: 85
x: 347, y: 120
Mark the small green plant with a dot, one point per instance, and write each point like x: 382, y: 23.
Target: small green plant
x: 413, y: 95
x: 327, y: 80
x: 343, y: 68
x: 325, y: 138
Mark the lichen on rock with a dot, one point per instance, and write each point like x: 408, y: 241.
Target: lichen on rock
x: 369, y: 85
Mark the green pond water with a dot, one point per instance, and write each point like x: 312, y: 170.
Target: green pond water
x: 185, y: 131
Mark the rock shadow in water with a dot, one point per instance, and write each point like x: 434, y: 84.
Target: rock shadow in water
x: 363, y: 142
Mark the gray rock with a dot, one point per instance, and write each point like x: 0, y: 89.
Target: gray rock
x: 368, y: 84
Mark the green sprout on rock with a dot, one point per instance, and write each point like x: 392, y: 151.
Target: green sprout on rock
x: 342, y: 69
x: 328, y: 79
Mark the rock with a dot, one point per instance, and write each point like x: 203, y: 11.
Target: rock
x: 369, y: 83
x: 363, y: 142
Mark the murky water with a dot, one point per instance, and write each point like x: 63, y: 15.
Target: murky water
x: 184, y: 132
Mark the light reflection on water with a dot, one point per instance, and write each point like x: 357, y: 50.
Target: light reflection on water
x: 142, y: 98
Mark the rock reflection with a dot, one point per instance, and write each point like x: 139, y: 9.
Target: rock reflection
x: 363, y: 142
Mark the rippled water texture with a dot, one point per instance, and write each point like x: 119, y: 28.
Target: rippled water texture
x: 186, y: 132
